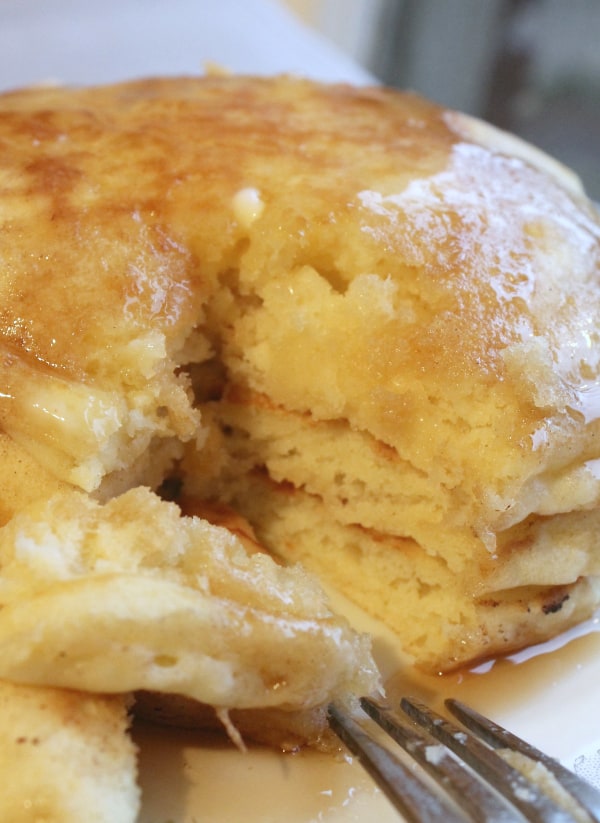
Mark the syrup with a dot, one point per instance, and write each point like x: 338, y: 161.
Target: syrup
x: 548, y: 694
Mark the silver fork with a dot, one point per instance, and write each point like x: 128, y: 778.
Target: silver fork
x: 445, y: 773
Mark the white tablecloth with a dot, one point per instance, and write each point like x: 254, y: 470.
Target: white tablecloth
x: 95, y: 41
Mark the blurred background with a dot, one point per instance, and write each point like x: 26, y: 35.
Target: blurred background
x: 529, y: 66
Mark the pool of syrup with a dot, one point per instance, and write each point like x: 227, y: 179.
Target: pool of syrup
x: 504, y: 682
x: 549, y: 694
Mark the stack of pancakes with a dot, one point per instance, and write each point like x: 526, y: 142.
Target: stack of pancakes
x: 367, y: 325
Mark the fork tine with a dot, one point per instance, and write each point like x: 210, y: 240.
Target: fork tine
x: 481, y: 803
x: 418, y: 802
x: 498, y: 737
x: 524, y: 795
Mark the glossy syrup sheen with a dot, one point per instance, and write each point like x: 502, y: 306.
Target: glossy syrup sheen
x: 549, y: 689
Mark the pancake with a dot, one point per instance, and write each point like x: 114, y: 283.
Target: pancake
x: 367, y: 323
x: 131, y: 596
x: 65, y: 756
x: 238, y: 315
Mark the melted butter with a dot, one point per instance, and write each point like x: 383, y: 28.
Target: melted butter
x: 66, y: 416
x: 247, y: 206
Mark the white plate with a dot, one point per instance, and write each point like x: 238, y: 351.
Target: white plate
x: 102, y: 41
x: 549, y: 696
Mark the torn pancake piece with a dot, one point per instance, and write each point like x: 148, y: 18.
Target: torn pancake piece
x: 65, y: 757
x: 131, y: 595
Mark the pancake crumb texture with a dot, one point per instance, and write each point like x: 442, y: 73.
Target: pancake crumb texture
x: 132, y: 596
x: 367, y: 325
x: 65, y: 755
